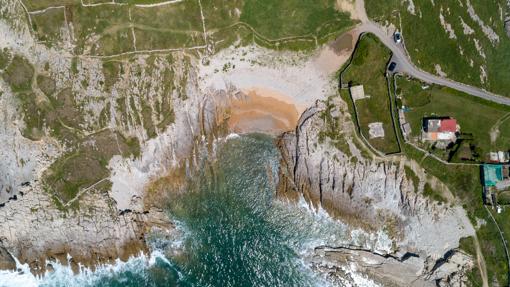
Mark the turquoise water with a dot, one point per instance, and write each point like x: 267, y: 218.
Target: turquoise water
x: 231, y: 241
x: 235, y: 232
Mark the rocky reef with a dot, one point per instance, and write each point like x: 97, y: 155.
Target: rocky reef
x: 414, y: 239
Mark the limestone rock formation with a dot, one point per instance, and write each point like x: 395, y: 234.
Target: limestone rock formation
x: 375, y: 195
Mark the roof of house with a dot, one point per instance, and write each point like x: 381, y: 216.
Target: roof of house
x: 432, y: 125
x: 492, y: 174
x: 357, y: 92
x: 448, y: 125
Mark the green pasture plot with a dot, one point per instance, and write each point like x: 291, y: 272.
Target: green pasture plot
x: 368, y: 68
x: 48, y: 25
x: 477, y: 118
x: 429, y: 43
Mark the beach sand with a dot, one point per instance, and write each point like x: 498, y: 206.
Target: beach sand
x: 263, y: 110
x: 332, y: 56
x: 275, y: 86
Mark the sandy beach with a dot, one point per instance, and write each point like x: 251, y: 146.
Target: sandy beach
x: 263, y: 110
x: 276, y: 86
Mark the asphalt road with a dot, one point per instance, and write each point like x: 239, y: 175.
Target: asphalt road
x: 404, y: 65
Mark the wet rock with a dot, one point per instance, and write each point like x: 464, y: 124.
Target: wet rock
x: 6, y: 260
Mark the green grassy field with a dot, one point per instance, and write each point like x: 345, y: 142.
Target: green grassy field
x: 368, y: 68
x: 476, y: 117
x: 293, y: 17
x: 465, y: 184
x: 293, y: 25
x: 429, y: 43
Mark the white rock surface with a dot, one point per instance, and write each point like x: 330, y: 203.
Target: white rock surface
x: 377, y: 196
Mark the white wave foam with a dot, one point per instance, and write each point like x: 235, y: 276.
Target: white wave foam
x: 86, y: 277
x: 232, y: 136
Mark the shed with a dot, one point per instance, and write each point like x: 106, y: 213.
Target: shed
x: 357, y: 92
x: 492, y: 174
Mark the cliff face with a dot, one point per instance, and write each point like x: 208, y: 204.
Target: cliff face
x: 420, y: 237
x: 83, y: 137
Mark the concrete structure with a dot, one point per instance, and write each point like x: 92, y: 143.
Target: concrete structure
x: 499, y: 156
x: 406, y: 128
x: 357, y: 92
x: 492, y: 174
x: 376, y: 130
x: 440, y: 129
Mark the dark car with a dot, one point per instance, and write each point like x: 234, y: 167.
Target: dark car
x: 392, y: 66
x: 397, y: 37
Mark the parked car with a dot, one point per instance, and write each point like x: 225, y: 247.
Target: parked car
x: 397, y: 37
x: 392, y: 66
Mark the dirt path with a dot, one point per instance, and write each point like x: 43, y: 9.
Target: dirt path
x: 494, y: 131
x: 480, y: 260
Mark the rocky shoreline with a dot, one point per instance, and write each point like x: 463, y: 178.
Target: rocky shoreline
x: 397, y: 235
x: 412, y: 239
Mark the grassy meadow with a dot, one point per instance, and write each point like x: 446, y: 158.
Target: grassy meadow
x: 477, y: 118
x: 462, y: 53
x: 114, y: 29
x: 368, y: 68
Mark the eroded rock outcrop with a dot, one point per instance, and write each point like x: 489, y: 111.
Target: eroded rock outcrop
x: 6, y: 260
x: 375, y: 195
x: 152, y: 100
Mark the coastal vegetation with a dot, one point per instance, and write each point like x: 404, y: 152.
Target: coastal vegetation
x: 465, y: 183
x: 86, y: 166
x: 19, y: 74
x: 48, y: 111
x: 466, y: 39
x: 483, y: 124
x: 475, y: 116
x: 118, y: 28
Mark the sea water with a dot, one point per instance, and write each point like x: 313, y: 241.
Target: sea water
x: 236, y: 233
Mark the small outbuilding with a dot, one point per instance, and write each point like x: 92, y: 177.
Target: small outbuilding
x: 357, y: 92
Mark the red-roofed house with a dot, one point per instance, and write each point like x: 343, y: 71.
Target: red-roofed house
x: 436, y: 129
x: 448, y: 125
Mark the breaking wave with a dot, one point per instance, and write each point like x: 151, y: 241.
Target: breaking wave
x: 234, y: 233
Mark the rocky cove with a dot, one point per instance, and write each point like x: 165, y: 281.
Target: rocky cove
x: 390, y: 233
x: 393, y: 237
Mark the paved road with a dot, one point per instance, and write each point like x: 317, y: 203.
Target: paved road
x: 405, y: 65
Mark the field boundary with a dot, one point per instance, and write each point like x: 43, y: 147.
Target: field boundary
x: 355, y: 110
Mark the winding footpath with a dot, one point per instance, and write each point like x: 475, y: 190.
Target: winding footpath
x: 404, y: 64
